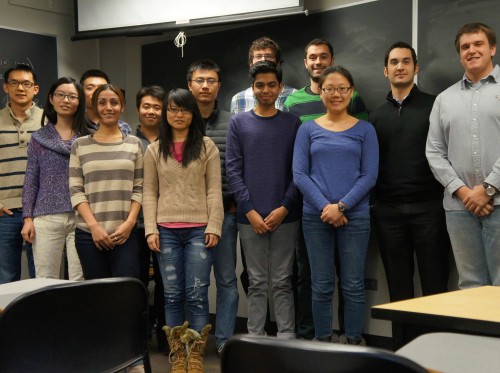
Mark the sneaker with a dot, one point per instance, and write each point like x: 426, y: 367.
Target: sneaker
x: 352, y: 341
x: 219, y: 349
x: 335, y: 338
x: 356, y: 341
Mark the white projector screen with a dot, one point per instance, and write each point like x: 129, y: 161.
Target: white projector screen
x: 129, y: 17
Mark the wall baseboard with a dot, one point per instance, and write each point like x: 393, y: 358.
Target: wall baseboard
x: 371, y: 340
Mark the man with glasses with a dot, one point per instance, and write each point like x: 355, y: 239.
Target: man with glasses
x: 407, y: 210
x: 203, y: 78
x: 262, y: 49
x: 306, y: 103
x: 18, y: 120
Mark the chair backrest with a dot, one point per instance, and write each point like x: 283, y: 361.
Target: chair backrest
x: 90, y: 326
x: 251, y: 354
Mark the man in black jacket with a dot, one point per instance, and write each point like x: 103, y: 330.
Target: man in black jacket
x: 204, y: 82
x: 408, y: 212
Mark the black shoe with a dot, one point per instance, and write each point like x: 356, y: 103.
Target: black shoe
x: 161, y: 340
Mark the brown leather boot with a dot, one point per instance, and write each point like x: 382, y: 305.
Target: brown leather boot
x: 196, y: 348
x: 178, y: 355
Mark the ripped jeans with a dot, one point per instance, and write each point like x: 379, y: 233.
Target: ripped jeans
x: 185, y: 266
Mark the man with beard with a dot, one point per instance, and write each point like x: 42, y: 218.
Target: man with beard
x: 407, y: 212
x: 306, y: 102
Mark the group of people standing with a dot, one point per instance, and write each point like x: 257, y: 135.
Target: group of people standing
x: 297, y: 173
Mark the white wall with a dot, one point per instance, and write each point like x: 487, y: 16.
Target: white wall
x: 73, y: 57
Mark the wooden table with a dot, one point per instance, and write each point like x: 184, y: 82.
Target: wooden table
x: 12, y: 290
x: 473, y: 311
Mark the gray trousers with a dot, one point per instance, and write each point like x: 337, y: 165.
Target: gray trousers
x: 270, y: 258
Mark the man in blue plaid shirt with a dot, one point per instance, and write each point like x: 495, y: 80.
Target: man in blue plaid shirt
x: 262, y: 49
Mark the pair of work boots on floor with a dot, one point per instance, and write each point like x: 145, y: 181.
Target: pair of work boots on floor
x: 187, y: 348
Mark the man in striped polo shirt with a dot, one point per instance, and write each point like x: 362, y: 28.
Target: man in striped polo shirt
x: 18, y: 120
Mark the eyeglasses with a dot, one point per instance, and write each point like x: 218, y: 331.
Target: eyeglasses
x: 332, y: 90
x: 61, y: 96
x: 266, y: 57
x: 14, y: 84
x: 405, y: 61
x: 209, y: 81
x: 176, y: 110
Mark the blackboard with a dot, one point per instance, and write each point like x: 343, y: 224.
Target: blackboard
x: 360, y: 36
x: 439, y: 22
x: 38, y: 51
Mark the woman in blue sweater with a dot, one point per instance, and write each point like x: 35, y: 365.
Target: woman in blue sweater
x: 49, y: 219
x: 335, y: 166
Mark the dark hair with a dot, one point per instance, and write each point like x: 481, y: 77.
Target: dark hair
x: 263, y: 67
x: 264, y: 43
x: 154, y: 91
x: 475, y: 28
x: 319, y: 41
x: 208, y: 65
x: 20, y: 67
x: 333, y: 70
x: 79, y: 119
x: 194, y: 142
x: 108, y: 87
x: 94, y: 73
x: 400, y: 44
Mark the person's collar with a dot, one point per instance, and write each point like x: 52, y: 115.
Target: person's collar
x: 493, y: 76
x: 213, y: 116
x: 414, y: 90
x: 309, y: 91
x: 28, y: 112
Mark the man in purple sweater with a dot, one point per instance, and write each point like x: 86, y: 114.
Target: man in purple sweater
x: 258, y: 166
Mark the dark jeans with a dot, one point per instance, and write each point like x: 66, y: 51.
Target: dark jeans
x: 304, y: 324
x: 122, y: 261
x: 11, y: 247
x: 407, y: 228
x: 145, y: 262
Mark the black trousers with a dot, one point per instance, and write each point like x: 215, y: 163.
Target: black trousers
x: 405, y: 229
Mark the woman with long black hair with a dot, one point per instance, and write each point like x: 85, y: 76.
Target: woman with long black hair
x: 183, y: 217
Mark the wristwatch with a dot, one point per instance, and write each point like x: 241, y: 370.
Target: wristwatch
x: 342, y: 207
x: 490, y: 189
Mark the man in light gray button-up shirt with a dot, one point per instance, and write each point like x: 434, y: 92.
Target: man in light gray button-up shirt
x: 463, y: 150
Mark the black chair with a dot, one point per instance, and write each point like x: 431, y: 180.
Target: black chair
x: 251, y: 354
x: 89, y: 327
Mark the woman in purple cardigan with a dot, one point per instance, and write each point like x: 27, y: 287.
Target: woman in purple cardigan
x: 49, y: 219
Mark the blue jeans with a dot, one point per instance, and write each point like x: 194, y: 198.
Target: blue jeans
x: 122, y: 261
x: 322, y: 239
x: 476, y: 246
x: 11, y: 247
x: 185, y: 265
x: 226, y: 280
